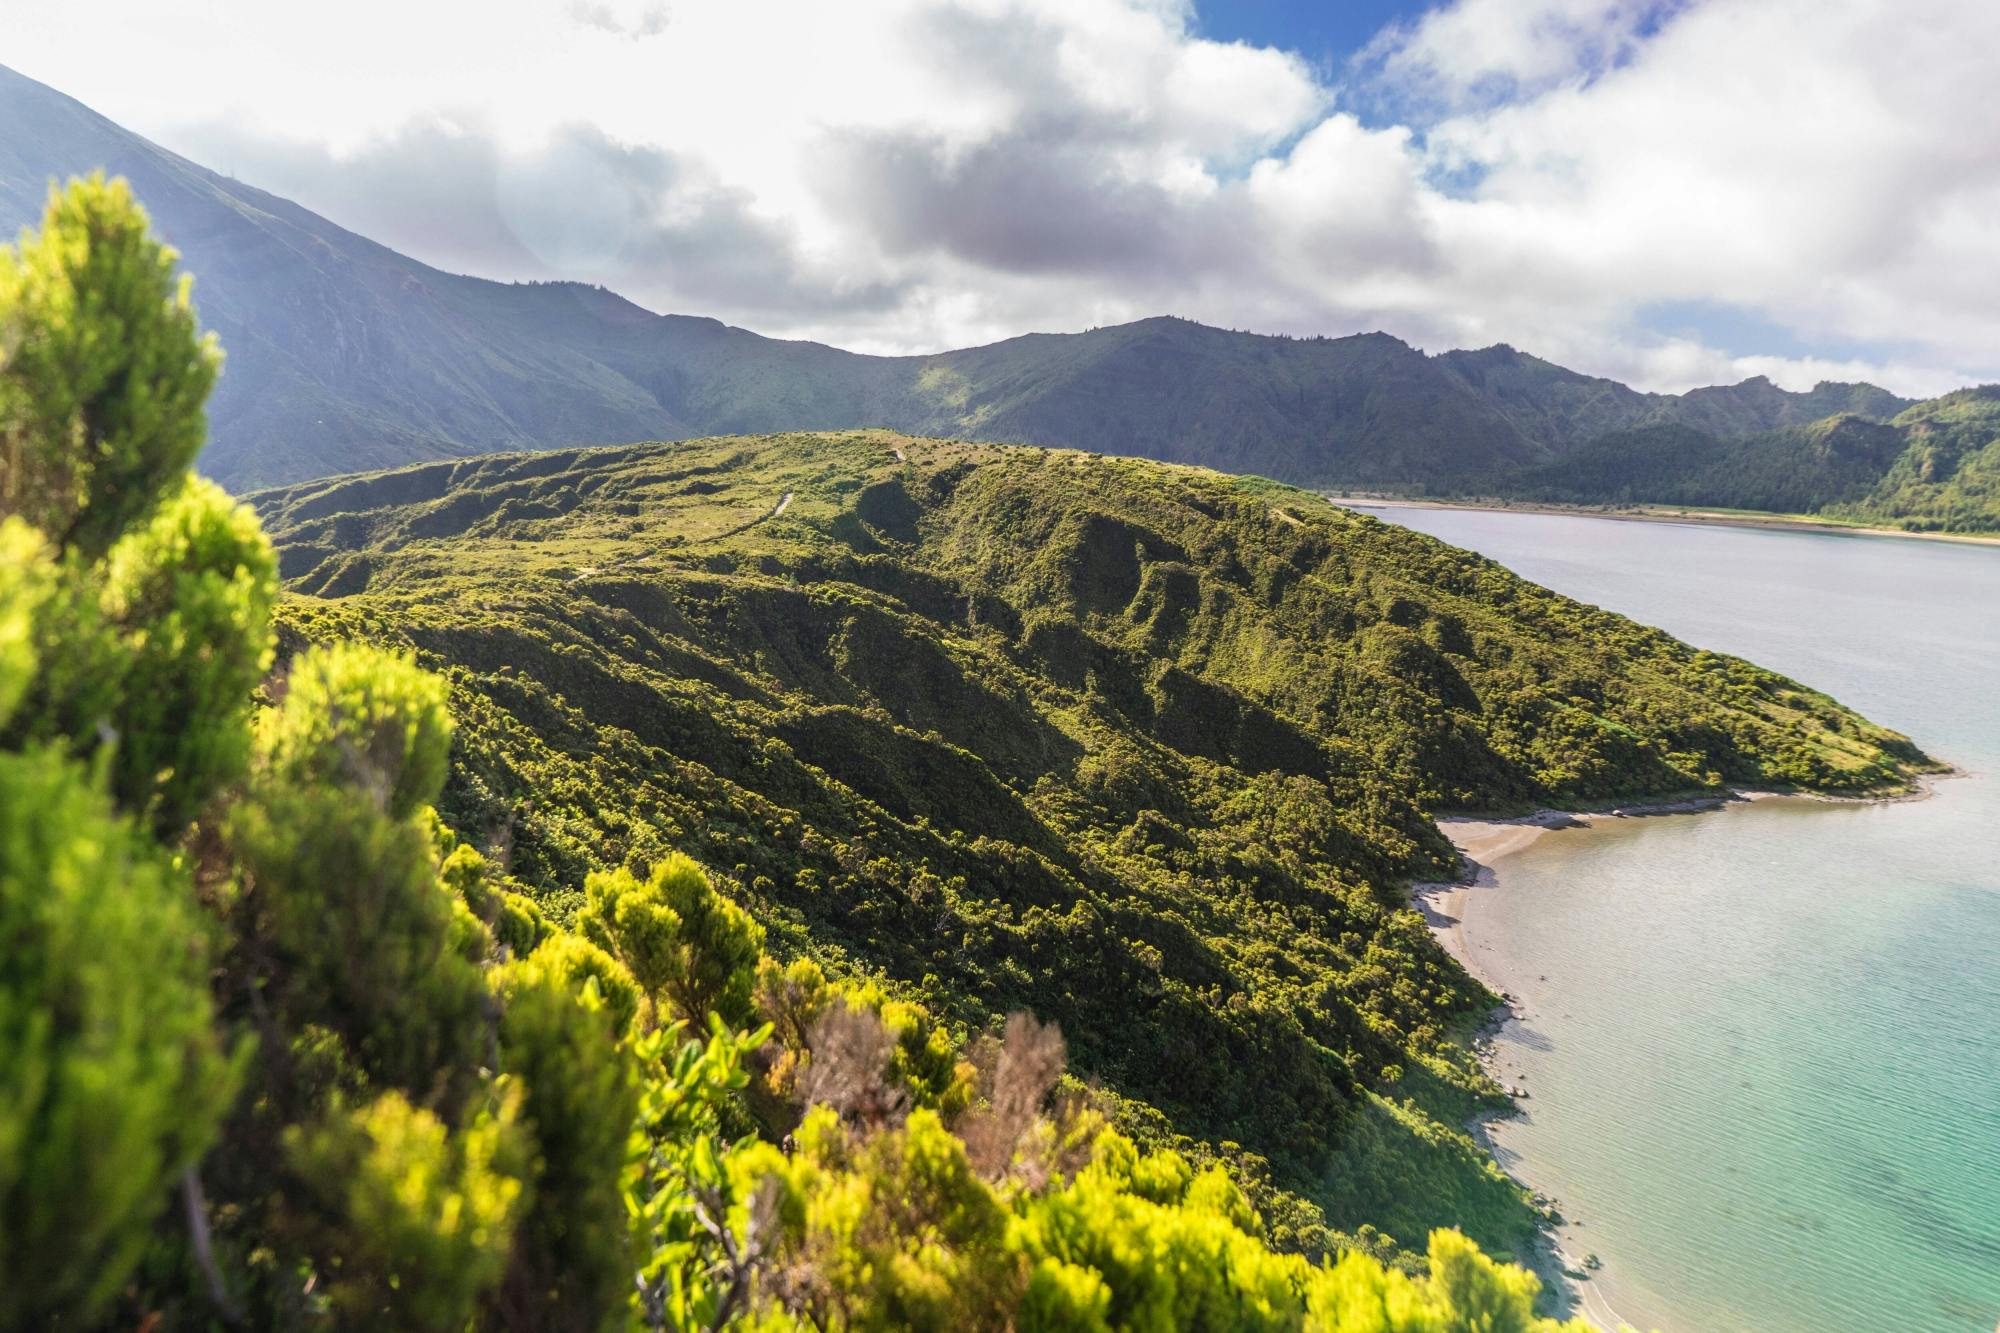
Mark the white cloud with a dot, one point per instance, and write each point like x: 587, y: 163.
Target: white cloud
x: 1497, y: 50
x: 1683, y: 362
x: 913, y: 174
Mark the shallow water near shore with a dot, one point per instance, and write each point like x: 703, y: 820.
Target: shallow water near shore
x: 1762, y: 1044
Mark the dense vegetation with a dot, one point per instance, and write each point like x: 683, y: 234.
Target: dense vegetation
x: 1934, y: 468
x: 1034, y: 730
x: 1947, y: 476
x: 346, y: 355
x: 280, y: 1048
x: 1797, y: 470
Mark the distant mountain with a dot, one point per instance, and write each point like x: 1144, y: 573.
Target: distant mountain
x: 1933, y: 467
x: 345, y: 356
x: 342, y: 354
x: 1946, y: 478
x: 1565, y: 409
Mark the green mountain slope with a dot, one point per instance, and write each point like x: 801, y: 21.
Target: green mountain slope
x: 1567, y: 411
x: 1934, y: 467
x: 1797, y: 469
x: 342, y: 354
x: 1145, y: 750
x: 1947, y: 477
x: 345, y: 355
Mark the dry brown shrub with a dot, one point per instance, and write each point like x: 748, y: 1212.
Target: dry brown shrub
x: 850, y: 1070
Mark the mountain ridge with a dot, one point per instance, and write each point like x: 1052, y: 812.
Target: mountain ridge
x: 347, y: 356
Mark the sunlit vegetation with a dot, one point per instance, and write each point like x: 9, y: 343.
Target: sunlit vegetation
x: 1145, y: 751
x: 1947, y: 477
x: 598, y: 899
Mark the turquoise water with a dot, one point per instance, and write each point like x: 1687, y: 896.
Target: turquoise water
x: 1762, y: 1045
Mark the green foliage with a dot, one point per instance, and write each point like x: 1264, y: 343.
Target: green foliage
x: 1172, y: 1248
x: 1947, y: 478
x: 1408, y: 1172
x: 1933, y: 468
x: 27, y: 579
x: 346, y: 913
x: 514, y: 921
x: 152, y: 616
x: 362, y: 720
x: 112, y: 1076
x: 1465, y: 1293
x: 897, y: 1227
x: 420, y: 1220
x: 683, y: 942
x: 191, y: 592
x: 574, y: 1268
x: 115, y: 1079
x: 151, y: 653
x: 1146, y: 751
x: 896, y: 1230
x: 581, y: 965
x: 101, y: 374
x: 677, y: 1187
x: 1142, y: 748
x: 375, y: 1167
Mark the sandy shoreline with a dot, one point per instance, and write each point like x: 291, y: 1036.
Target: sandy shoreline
x: 1482, y: 843
x: 1698, y: 517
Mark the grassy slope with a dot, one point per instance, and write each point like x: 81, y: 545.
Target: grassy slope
x: 1148, y: 750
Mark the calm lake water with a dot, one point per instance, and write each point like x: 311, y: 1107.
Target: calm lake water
x: 1762, y: 1045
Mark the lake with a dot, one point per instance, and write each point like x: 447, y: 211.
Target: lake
x: 1762, y: 1045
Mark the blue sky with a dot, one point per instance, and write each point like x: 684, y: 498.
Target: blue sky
x: 1325, y: 32
x: 1668, y: 192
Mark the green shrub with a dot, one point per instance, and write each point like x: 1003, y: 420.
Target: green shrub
x: 113, y: 1078
x: 684, y: 942
x: 419, y: 1221
x: 364, y: 721
x: 101, y: 402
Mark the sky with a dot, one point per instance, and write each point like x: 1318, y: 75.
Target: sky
x: 1669, y: 192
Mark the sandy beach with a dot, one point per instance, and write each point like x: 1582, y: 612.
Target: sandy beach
x: 1482, y: 842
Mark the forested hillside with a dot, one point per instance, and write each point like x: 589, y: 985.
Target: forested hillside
x: 280, y: 1048
x: 1933, y: 468
x: 1144, y: 750
x: 1947, y: 476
